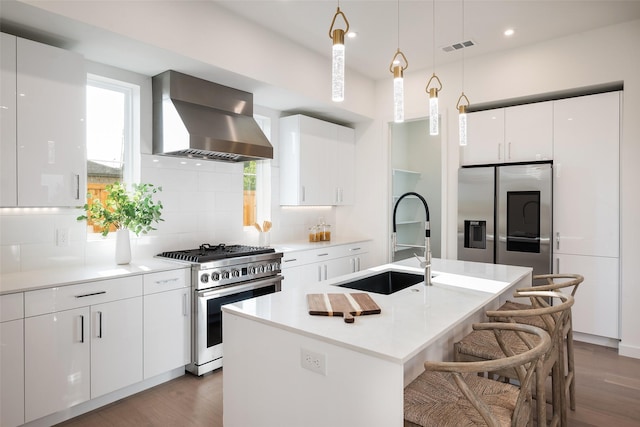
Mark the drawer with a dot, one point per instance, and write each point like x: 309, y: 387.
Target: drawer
x: 81, y: 295
x: 11, y: 307
x: 167, y: 280
x: 351, y: 249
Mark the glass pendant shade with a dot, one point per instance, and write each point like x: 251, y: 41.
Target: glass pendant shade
x: 398, y: 94
x: 462, y: 125
x: 337, y: 73
x: 434, y: 127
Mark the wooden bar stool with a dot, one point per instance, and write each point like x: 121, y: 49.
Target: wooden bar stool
x: 554, y: 282
x: 480, y: 346
x: 452, y: 393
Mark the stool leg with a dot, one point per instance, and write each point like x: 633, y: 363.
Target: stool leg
x: 571, y: 373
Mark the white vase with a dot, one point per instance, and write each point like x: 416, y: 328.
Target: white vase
x: 123, y: 246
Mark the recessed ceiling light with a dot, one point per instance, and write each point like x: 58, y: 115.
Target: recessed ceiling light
x: 509, y: 32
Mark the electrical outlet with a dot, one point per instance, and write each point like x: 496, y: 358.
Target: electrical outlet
x: 62, y: 237
x: 313, y: 361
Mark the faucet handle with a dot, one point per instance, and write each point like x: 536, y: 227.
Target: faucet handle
x: 422, y: 263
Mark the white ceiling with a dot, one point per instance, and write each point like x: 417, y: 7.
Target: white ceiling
x: 376, y: 22
x: 308, y: 21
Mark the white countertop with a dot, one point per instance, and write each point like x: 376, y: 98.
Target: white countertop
x: 410, y: 319
x: 304, y: 245
x: 46, y: 278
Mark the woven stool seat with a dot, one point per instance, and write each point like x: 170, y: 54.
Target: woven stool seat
x: 434, y: 399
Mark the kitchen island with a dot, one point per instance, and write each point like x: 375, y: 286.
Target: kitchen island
x: 353, y: 374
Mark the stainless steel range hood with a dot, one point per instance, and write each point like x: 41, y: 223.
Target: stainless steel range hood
x: 199, y: 119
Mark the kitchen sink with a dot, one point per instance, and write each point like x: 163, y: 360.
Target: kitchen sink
x: 385, y: 283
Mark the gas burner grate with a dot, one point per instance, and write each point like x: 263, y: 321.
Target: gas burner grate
x: 207, y: 252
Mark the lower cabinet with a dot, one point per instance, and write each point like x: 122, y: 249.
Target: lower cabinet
x: 57, y: 362
x: 596, y: 310
x: 92, y: 348
x: 11, y: 360
x: 316, y: 265
x: 167, y: 322
x: 116, y: 345
x: 87, y: 340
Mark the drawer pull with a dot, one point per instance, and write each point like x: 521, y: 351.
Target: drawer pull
x: 290, y: 260
x: 355, y: 249
x: 325, y: 254
x: 163, y: 282
x: 91, y: 294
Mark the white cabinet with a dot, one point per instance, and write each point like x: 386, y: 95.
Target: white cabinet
x: 8, y: 147
x: 57, y: 362
x: 595, y: 311
x: 513, y: 134
x: 116, y: 345
x: 49, y: 148
x: 167, y: 321
x: 81, y: 341
x: 586, y: 206
x: 317, y: 162
x: 315, y: 265
x: 11, y: 360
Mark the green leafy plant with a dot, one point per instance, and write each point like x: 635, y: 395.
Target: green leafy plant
x: 135, y: 211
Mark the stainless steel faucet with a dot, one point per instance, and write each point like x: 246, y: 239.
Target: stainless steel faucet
x: 426, y: 264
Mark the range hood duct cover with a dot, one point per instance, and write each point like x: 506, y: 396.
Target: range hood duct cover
x: 199, y: 119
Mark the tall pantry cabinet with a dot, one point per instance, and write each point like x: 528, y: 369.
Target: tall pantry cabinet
x: 43, y: 129
x: 586, y: 206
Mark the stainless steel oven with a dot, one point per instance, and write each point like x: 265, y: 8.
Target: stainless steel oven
x: 223, y: 274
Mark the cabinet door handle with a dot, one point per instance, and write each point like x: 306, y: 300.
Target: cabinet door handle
x: 358, y: 261
x: 184, y: 304
x: 319, y: 273
x: 557, y: 265
x: 500, y: 151
x: 81, y: 328
x: 325, y: 272
x: 352, y: 262
x: 77, y: 187
x: 99, y: 324
x: 303, y: 193
x: 558, y: 240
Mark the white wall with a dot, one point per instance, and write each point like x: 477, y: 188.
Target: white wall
x: 601, y: 56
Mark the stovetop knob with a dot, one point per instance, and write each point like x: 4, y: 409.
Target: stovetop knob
x: 215, y: 276
x: 204, y: 278
x: 235, y: 273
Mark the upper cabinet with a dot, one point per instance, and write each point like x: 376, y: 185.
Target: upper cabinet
x: 317, y: 162
x: 513, y: 134
x: 45, y: 132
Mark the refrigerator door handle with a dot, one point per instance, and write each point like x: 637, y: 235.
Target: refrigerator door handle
x: 557, y: 265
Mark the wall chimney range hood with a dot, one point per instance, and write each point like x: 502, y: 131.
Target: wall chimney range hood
x: 198, y: 119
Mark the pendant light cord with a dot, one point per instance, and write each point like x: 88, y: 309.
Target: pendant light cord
x: 398, y: 16
x: 434, y: 34
x: 463, y: 46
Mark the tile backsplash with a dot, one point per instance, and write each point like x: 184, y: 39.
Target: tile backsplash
x: 202, y: 203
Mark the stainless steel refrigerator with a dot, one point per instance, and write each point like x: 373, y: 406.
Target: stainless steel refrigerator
x: 512, y: 202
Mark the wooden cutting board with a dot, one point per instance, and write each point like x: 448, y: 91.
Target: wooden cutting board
x: 345, y: 305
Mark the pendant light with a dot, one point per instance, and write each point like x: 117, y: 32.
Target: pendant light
x: 337, y: 62
x: 463, y: 101
x: 434, y: 126
x: 398, y: 64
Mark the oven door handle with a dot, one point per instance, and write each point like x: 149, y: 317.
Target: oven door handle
x: 234, y: 289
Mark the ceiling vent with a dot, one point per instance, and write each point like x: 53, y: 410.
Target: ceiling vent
x: 458, y: 46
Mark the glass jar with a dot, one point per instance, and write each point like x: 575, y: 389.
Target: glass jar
x: 313, y: 234
x: 325, y: 234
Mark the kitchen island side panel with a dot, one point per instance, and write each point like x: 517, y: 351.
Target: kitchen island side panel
x: 265, y: 384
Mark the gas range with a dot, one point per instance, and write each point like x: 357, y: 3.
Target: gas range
x: 223, y: 274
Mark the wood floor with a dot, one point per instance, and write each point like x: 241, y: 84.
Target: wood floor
x: 608, y: 394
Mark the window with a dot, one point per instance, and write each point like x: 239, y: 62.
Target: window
x: 110, y: 134
x: 257, y: 184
